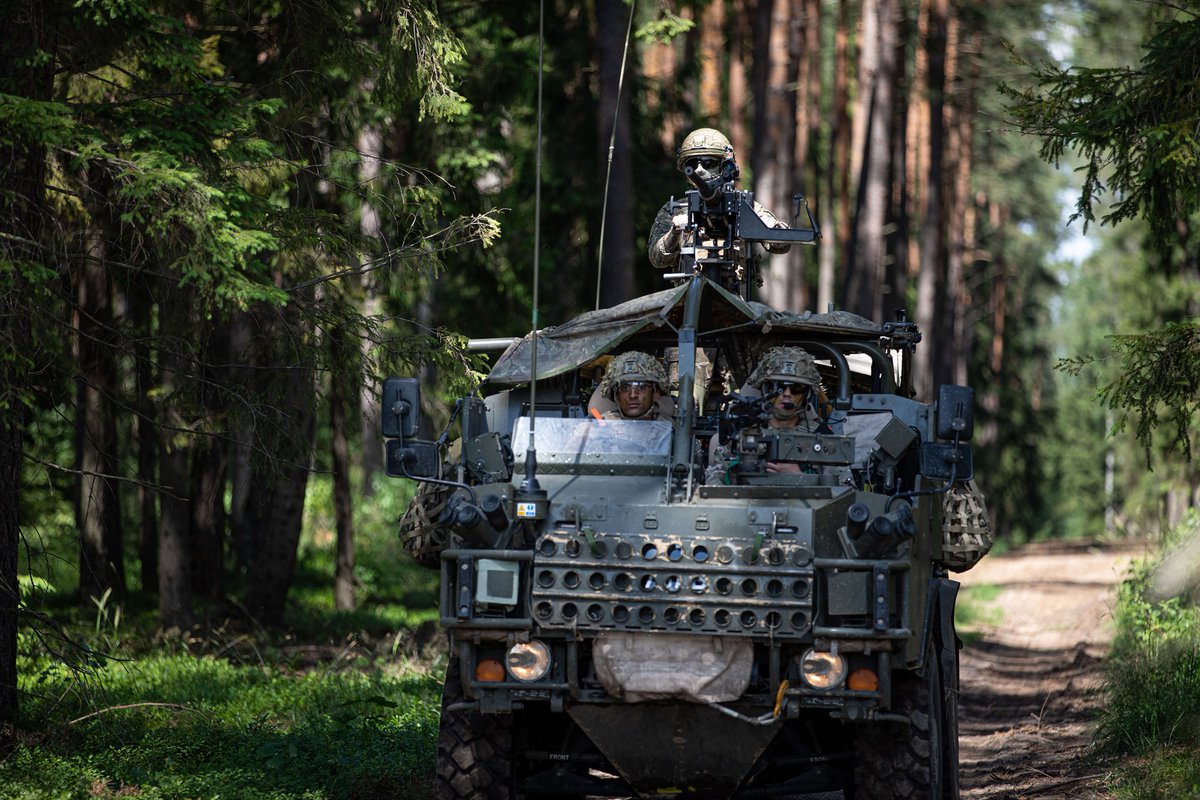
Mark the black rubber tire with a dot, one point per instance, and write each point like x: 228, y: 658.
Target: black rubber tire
x: 919, y: 761
x: 474, y: 758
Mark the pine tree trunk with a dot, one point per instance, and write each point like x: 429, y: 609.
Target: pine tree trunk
x: 174, y: 541
x: 838, y: 228
x: 615, y: 272
x: 243, y: 536
x: 274, y: 509
x: 278, y: 507
x: 989, y: 393
x: 962, y: 237
x: 712, y: 55
x: 11, y: 426
x: 958, y: 149
x: 760, y: 74
x: 209, y: 460
x: 370, y: 148
x: 97, y: 509
x: 660, y: 74
x: 898, y: 221
x: 341, y: 380
x: 809, y: 120
x: 737, y: 78
x: 208, y: 519
x: 14, y: 327
x: 22, y: 215
x: 806, y: 52
x: 931, y: 272
x: 146, y: 433
x: 175, y: 522
x: 776, y: 172
x: 865, y: 274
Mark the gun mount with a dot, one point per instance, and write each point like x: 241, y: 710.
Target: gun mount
x: 722, y: 221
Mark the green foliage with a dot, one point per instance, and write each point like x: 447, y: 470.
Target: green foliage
x: 664, y: 27
x: 178, y: 725
x: 1153, y: 683
x: 976, y: 609
x: 1130, y: 123
x: 1172, y: 773
x: 1157, y: 384
x: 393, y: 591
x: 345, y: 705
x: 1134, y: 128
x: 25, y: 120
x: 434, y: 51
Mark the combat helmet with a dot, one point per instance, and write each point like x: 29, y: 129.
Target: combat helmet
x: 703, y: 142
x: 632, y: 366
x: 786, y: 364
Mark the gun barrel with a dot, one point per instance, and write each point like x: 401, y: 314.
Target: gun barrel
x: 689, y: 172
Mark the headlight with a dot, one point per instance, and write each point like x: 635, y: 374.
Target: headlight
x: 529, y: 661
x: 822, y: 670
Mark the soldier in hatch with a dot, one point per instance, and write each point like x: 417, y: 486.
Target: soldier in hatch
x: 708, y: 158
x: 634, y: 386
x: 787, y: 378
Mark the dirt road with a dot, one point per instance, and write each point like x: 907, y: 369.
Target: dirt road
x: 1029, y: 674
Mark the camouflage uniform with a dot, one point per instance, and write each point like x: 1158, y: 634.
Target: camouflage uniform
x: 783, y: 364
x: 631, y: 366
x: 664, y: 240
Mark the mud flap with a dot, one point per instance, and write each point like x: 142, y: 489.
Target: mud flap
x: 677, y: 747
x: 947, y: 645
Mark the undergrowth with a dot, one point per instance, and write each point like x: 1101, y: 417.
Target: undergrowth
x: 1153, y: 682
x: 339, y: 705
x: 977, y: 609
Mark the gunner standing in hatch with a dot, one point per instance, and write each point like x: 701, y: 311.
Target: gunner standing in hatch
x: 713, y: 165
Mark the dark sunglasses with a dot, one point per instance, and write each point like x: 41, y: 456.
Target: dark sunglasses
x: 709, y: 163
x: 779, y: 387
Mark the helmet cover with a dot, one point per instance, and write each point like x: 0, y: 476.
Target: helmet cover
x: 704, y: 142
x: 632, y: 366
x: 785, y: 364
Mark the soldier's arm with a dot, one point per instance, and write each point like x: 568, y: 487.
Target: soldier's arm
x: 664, y: 239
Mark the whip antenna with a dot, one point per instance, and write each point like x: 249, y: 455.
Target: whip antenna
x: 530, y: 485
x: 612, y: 141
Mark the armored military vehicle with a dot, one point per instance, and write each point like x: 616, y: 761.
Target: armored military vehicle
x: 621, y: 627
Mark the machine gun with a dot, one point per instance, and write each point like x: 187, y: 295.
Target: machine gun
x: 720, y: 213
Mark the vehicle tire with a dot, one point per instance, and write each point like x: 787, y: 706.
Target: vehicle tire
x: 474, y: 753
x: 918, y: 761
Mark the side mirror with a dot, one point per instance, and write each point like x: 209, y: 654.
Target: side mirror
x: 401, y: 409
x: 955, y: 412
x: 411, y: 459
x: 939, y: 460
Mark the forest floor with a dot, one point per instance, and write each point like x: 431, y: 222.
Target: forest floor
x: 1032, y: 670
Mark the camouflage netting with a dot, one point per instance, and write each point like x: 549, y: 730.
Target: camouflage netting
x: 587, y: 337
x: 422, y: 536
x: 966, y: 527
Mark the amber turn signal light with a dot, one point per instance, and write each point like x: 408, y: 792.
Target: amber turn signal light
x: 490, y: 670
x: 863, y: 680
